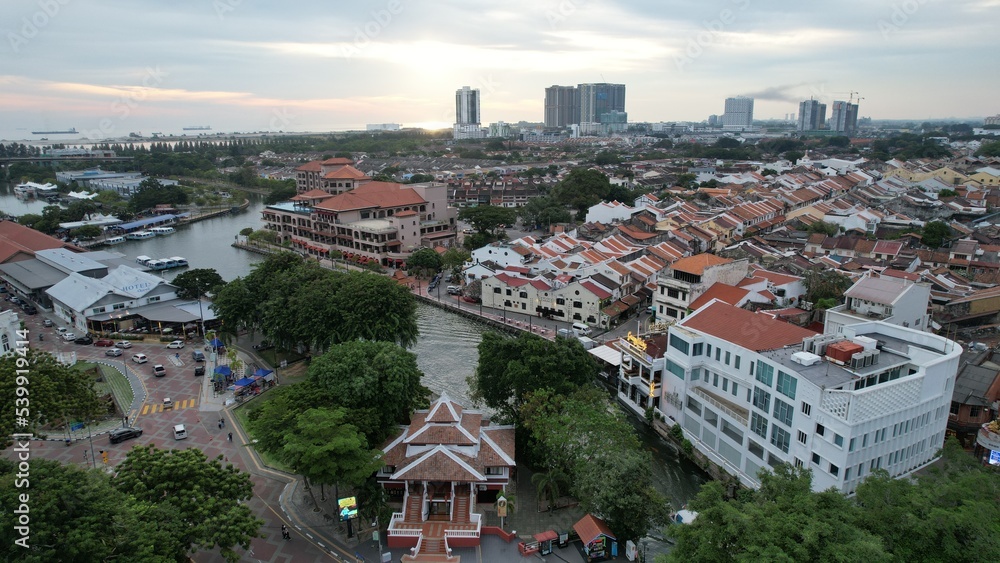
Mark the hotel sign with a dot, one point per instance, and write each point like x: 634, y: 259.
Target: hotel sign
x: 635, y: 341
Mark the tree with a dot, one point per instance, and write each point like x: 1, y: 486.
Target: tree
x: 150, y: 193
x: 426, y: 261
x: 378, y: 381
x: 325, y: 448
x: 825, y: 284
x: 246, y: 231
x: 544, y: 211
x: 605, y: 158
x: 619, y: 487
x: 264, y: 235
x: 510, y: 368
x: 280, y: 193
x: 581, y: 189
x: 374, y: 307
x: 192, y: 284
x: 87, y: 232
x: 76, y: 515
x: 488, y: 218
x: 550, y: 485
x: 935, y: 233
x: 271, y: 420
x: 793, y: 156
x: 727, y: 143
x: 58, y: 394
x: 201, y: 503
x: 828, y: 229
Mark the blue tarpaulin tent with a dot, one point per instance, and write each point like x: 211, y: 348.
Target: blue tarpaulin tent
x: 223, y: 370
x: 216, y: 343
x: 243, y: 382
x: 261, y: 372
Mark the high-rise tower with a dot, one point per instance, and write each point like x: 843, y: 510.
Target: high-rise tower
x: 812, y: 115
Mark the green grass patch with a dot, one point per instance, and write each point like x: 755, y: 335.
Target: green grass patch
x: 118, y: 385
x: 242, y: 414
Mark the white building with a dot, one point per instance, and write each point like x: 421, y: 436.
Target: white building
x: 78, y: 298
x: 892, y: 300
x: 608, y: 213
x: 751, y: 392
x: 9, y: 325
x: 686, y: 279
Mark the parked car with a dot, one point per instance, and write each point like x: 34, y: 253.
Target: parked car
x: 62, y: 330
x: 454, y: 290
x: 176, y: 344
x: 113, y: 352
x: 29, y: 309
x: 264, y: 345
x: 198, y: 355
x: 104, y: 342
x: 86, y: 339
x: 159, y: 370
x: 124, y: 344
x: 139, y: 358
x: 47, y: 323
x: 120, y: 434
x: 68, y: 336
x: 199, y: 370
x: 14, y: 299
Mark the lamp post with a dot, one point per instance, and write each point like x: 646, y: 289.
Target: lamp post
x: 645, y: 543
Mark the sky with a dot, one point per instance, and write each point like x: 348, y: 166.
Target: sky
x: 111, y: 67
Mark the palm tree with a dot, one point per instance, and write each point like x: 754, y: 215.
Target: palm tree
x: 549, y: 485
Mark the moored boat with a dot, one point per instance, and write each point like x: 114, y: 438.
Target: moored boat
x: 162, y: 230
x: 140, y: 235
x: 114, y: 240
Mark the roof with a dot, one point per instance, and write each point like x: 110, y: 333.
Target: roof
x: 884, y: 290
x: 146, y: 221
x: 696, y: 264
x: 723, y: 292
x: 373, y: 194
x: 746, y: 329
x: 590, y: 528
x: 15, y: 239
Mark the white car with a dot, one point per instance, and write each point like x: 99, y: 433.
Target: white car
x: 61, y: 330
x: 68, y: 336
x: 123, y: 344
x: 176, y: 344
x: 139, y: 358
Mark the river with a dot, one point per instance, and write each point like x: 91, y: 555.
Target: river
x: 446, y: 349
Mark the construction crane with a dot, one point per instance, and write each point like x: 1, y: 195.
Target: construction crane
x: 850, y: 100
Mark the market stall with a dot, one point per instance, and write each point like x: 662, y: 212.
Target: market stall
x: 598, y: 541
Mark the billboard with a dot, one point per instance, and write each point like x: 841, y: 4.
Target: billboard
x: 348, y: 508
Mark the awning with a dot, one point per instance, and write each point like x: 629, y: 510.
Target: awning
x: 607, y: 354
x: 243, y: 382
x: 547, y: 535
x: 261, y: 372
x: 223, y: 370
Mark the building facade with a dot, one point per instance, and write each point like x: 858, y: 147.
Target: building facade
x: 739, y: 113
x: 751, y: 392
x: 599, y: 99
x: 467, y: 106
x: 562, y: 106
x: 812, y: 115
x: 686, y: 279
x: 844, y: 118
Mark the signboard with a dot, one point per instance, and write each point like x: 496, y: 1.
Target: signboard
x: 987, y: 439
x: 348, y: 508
x: 636, y: 341
x: 501, y: 507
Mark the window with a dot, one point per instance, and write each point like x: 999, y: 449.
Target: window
x: 847, y: 474
x: 718, y: 352
x: 578, y: 305
x: 802, y: 437
x: 98, y: 310
x: 117, y: 306
x: 779, y: 438
x: 153, y: 299
x: 715, y: 380
x: 974, y: 411
x: 798, y: 462
x: 755, y: 448
x: 698, y: 349
x: 765, y: 373
x: 694, y: 406
x: 727, y: 358
x: 736, y: 363
x: 496, y: 290
x: 675, y: 369
x: 850, y: 445
x: 786, y: 385
x: 735, y: 386
x: 708, y: 350
x: 758, y: 425
x: 762, y: 399
x: 783, y: 412
x: 725, y: 384
x: 816, y: 458
x: 806, y: 409
x: 834, y: 470
x: 560, y: 301
x: 820, y: 429
x: 864, y: 441
x: 494, y: 470
x: 679, y: 344
x: 838, y: 440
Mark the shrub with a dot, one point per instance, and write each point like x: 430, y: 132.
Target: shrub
x: 687, y: 448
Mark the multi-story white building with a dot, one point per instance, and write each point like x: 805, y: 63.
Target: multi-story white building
x: 751, y: 392
x: 9, y: 325
x: 739, y: 113
x: 686, y: 279
x: 898, y: 301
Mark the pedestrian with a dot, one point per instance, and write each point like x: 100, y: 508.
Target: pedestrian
x: 230, y: 436
x: 284, y: 533
x: 220, y: 425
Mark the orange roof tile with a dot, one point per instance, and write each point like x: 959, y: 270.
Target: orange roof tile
x: 744, y: 328
x: 373, y: 195
x: 696, y: 264
x: 722, y: 292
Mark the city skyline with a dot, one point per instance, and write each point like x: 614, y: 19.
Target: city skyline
x: 240, y: 66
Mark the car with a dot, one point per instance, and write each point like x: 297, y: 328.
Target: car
x: 454, y: 290
x: 176, y: 344
x: 124, y: 344
x: 113, y: 352
x: 29, y: 309
x: 198, y: 355
x: 68, y: 336
x: 62, y: 330
x: 85, y: 339
x: 120, y: 434
x: 104, y: 342
x: 47, y: 323
x: 15, y: 299
x: 3, y: 290
x: 139, y: 358
x: 159, y: 370
x: 199, y: 370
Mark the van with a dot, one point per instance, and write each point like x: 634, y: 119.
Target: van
x: 198, y: 356
x: 454, y: 290
x: 180, y: 432
x: 581, y: 329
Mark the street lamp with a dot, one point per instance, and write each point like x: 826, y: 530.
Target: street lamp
x: 645, y: 543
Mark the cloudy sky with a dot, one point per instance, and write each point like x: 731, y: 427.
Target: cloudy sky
x: 110, y: 67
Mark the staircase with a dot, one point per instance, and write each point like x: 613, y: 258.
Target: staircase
x: 413, y: 513
x: 461, y: 509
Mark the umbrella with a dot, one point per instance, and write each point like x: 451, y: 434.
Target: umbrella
x: 216, y: 343
x: 223, y: 370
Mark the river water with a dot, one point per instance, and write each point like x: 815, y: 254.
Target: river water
x: 446, y: 349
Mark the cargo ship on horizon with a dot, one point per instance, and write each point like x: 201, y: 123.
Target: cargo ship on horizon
x: 198, y: 128
x: 72, y: 131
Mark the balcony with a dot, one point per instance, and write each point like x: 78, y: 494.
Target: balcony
x: 740, y: 414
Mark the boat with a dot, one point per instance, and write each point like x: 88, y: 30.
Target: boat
x: 180, y: 261
x: 24, y: 190
x: 144, y: 260
x: 71, y: 131
x: 114, y: 240
x: 157, y: 264
x: 198, y: 128
x: 140, y: 235
x: 162, y: 230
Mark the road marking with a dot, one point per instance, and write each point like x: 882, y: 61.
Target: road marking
x: 178, y: 405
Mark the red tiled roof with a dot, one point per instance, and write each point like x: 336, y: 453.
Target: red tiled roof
x: 373, y: 195
x: 590, y: 528
x: 697, y: 264
x: 348, y: 172
x: 17, y: 239
x: 593, y: 288
x: 744, y: 328
x: 722, y: 292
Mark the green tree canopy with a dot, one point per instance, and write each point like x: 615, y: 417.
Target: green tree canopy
x: 935, y: 233
x: 199, y: 281
x: 544, y: 211
x: 825, y: 284
x: 201, y: 503
x: 510, y: 368
x: 58, y: 396
x: 581, y: 189
x: 426, y: 261
x: 150, y: 194
x: 87, y: 232
x: 326, y: 448
x: 488, y: 218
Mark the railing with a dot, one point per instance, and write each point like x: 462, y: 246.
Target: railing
x: 740, y: 417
